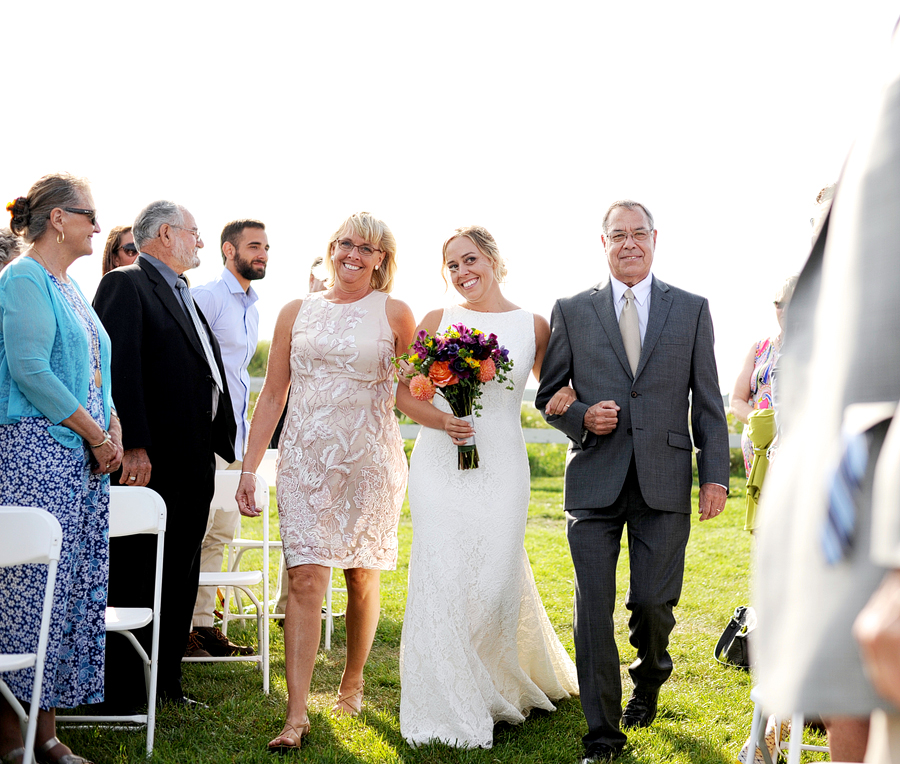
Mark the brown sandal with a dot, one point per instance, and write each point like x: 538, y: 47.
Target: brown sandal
x: 344, y: 707
x: 293, y: 735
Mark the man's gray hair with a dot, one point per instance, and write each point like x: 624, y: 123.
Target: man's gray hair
x: 629, y: 204
x: 146, y: 224
x: 9, y: 247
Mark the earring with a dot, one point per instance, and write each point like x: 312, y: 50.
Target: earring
x: 60, y: 237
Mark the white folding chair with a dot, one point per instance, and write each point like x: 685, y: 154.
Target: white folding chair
x: 134, y: 510
x: 329, y: 614
x: 30, y: 536
x: 266, y: 472
x: 242, y: 580
x: 793, y: 745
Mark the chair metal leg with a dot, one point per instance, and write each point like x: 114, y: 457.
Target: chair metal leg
x: 329, y: 613
x: 796, y: 735
x: 758, y: 733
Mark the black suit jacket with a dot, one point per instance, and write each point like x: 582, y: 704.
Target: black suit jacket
x: 162, y: 380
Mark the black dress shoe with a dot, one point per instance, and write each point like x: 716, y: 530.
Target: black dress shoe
x: 640, y: 711
x: 600, y: 752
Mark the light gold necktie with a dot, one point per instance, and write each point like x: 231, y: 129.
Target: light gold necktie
x: 631, y: 331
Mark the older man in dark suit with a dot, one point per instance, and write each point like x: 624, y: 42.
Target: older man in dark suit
x: 639, y: 354
x: 176, y: 412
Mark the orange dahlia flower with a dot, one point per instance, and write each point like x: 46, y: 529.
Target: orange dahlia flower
x: 421, y: 388
x: 487, y: 371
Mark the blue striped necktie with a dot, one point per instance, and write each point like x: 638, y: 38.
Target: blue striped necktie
x: 843, y: 491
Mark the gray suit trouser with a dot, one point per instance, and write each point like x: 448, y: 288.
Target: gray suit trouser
x: 656, y: 543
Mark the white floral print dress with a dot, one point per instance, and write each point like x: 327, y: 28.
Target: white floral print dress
x: 341, y: 472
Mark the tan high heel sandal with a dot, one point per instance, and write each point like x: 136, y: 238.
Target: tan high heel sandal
x: 344, y: 707
x: 293, y: 734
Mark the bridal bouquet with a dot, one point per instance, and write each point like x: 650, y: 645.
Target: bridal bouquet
x: 455, y: 365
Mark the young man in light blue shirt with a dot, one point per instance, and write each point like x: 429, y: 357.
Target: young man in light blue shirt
x: 229, y: 304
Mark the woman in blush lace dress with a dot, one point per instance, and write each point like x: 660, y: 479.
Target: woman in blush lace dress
x: 477, y: 645
x: 341, y: 471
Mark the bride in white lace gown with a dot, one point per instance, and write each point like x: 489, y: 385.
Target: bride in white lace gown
x: 477, y: 645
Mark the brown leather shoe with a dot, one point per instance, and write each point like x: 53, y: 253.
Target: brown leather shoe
x: 194, y: 647
x: 218, y: 645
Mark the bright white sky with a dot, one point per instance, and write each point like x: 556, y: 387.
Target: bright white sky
x: 724, y: 118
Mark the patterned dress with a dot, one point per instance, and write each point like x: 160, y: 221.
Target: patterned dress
x: 38, y: 471
x: 341, y: 471
x: 760, y: 390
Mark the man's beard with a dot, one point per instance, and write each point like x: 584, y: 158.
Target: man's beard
x: 246, y: 270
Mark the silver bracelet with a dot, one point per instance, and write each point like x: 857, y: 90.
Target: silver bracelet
x: 106, y: 439
x: 250, y: 473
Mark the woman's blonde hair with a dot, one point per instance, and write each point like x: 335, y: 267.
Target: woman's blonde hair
x: 375, y: 232
x: 484, y: 243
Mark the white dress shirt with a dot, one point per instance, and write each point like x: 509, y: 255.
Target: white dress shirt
x: 641, y: 292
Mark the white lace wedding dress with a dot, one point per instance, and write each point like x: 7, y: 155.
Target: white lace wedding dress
x: 477, y: 645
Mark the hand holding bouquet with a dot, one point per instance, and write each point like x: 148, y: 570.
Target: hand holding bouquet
x: 455, y: 365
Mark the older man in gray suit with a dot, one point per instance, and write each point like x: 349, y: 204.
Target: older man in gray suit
x: 639, y: 354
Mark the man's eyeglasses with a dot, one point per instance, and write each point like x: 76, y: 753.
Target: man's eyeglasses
x: 619, y: 237
x: 195, y: 231
x: 92, y: 214
x: 364, y: 249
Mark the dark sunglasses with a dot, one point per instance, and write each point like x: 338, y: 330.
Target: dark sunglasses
x: 129, y: 248
x: 92, y: 214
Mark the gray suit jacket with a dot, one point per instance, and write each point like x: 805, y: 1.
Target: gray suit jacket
x: 677, y: 362
x: 841, y: 358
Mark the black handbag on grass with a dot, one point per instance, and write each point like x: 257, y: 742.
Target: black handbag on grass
x: 733, y: 647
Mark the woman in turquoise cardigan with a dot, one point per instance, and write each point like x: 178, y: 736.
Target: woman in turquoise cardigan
x: 60, y: 439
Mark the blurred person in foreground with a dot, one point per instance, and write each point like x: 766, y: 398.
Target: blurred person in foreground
x: 60, y: 439
x: 176, y: 415
x: 120, y: 249
x: 229, y: 304
x: 829, y: 532
x: 341, y: 466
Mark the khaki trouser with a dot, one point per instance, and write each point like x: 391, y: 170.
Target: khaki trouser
x: 220, y: 529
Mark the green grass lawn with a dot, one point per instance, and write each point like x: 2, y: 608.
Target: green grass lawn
x: 704, y: 714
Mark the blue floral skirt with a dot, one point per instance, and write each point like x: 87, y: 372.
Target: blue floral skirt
x: 37, y: 471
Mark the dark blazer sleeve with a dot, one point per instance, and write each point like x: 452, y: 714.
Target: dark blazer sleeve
x: 708, y: 423
x: 556, y: 372
x: 119, y: 306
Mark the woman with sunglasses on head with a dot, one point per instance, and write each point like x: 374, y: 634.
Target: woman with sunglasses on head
x: 119, y: 249
x: 60, y: 439
x: 341, y: 473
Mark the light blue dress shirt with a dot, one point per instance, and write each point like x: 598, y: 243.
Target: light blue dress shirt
x: 234, y: 319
